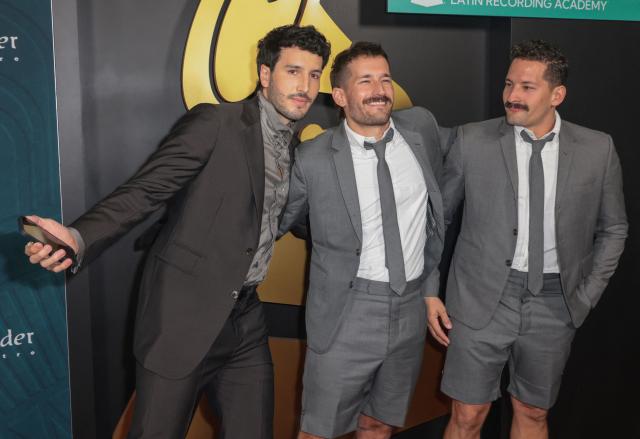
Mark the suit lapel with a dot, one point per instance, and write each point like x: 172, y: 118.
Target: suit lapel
x: 343, y: 163
x: 253, y: 145
x: 565, y: 154
x: 508, y: 144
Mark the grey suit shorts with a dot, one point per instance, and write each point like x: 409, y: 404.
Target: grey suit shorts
x: 533, y: 334
x: 372, y: 365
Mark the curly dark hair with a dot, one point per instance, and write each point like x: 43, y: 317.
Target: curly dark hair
x: 557, y: 70
x: 303, y: 37
x: 344, y: 58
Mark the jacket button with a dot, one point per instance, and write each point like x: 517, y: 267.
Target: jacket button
x: 515, y: 232
x: 249, y: 251
x: 235, y: 294
x: 351, y: 284
x: 358, y: 251
x: 508, y: 262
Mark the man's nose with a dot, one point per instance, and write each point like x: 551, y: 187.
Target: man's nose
x: 303, y: 84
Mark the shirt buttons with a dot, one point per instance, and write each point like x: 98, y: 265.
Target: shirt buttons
x: 235, y: 295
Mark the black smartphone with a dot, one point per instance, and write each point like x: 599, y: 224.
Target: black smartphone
x: 32, y: 230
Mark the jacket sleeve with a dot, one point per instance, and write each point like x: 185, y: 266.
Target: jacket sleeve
x: 179, y: 158
x: 298, y: 202
x: 610, y: 234
x: 453, y: 179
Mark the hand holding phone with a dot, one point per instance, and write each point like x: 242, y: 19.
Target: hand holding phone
x: 61, y: 252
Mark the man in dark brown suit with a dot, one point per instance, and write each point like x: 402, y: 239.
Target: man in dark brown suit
x: 223, y: 173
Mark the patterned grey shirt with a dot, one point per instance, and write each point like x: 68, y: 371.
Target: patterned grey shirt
x: 277, y: 137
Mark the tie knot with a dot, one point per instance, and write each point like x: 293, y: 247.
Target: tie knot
x: 536, y: 145
x: 380, y: 145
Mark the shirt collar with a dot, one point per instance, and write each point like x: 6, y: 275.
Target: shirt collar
x: 356, y: 139
x: 272, y: 116
x: 556, y: 129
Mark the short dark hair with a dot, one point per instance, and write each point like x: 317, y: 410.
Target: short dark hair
x: 557, y: 70
x: 303, y: 37
x: 344, y: 58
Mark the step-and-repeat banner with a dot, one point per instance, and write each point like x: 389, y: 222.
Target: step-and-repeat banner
x: 34, y: 382
x: 580, y: 9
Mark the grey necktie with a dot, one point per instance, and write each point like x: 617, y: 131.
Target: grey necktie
x: 390, y: 230
x: 535, y: 277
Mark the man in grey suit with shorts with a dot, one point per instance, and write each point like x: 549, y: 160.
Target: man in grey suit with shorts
x: 370, y: 188
x: 543, y: 227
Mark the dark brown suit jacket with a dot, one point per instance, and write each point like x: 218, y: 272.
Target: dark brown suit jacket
x: 209, y: 172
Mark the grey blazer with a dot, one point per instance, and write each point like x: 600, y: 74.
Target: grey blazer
x: 591, y: 223
x: 323, y: 185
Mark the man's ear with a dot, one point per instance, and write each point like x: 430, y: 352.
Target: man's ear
x: 265, y: 75
x: 558, y: 94
x: 339, y: 97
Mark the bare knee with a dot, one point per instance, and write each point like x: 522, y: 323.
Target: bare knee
x: 469, y: 417
x: 529, y: 413
x: 371, y: 427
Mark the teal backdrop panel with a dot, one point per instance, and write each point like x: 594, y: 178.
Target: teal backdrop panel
x: 34, y: 380
x: 628, y: 10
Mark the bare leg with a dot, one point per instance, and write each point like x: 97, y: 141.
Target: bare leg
x: 466, y: 420
x: 529, y: 422
x: 371, y: 428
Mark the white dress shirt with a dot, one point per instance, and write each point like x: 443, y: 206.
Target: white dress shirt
x: 550, y: 167
x: 410, y: 192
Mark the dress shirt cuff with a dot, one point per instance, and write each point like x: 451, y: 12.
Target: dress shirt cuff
x: 81, y: 249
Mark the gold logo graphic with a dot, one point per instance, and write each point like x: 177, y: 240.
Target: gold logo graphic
x: 219, y: 57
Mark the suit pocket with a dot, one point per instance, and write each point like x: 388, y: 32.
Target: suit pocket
x: 180, y: 257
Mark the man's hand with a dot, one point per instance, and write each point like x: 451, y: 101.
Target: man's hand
x: 41, y: 254
x: 436, y: 312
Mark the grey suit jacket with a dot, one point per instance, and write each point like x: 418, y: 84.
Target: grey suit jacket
x: 323, y: 185
x: 591, y: 224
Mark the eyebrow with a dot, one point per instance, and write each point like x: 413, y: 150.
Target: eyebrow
x: 297, y: 67
x: 370, y: 75
x: 521, y: 82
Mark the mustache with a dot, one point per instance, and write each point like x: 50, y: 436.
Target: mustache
x: 300, y: 95
x: 377, y: 99
x: 516, y: 106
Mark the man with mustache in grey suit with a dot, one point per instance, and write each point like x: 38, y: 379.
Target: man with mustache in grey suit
x: 370, y: 187
x: 543, y: 227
